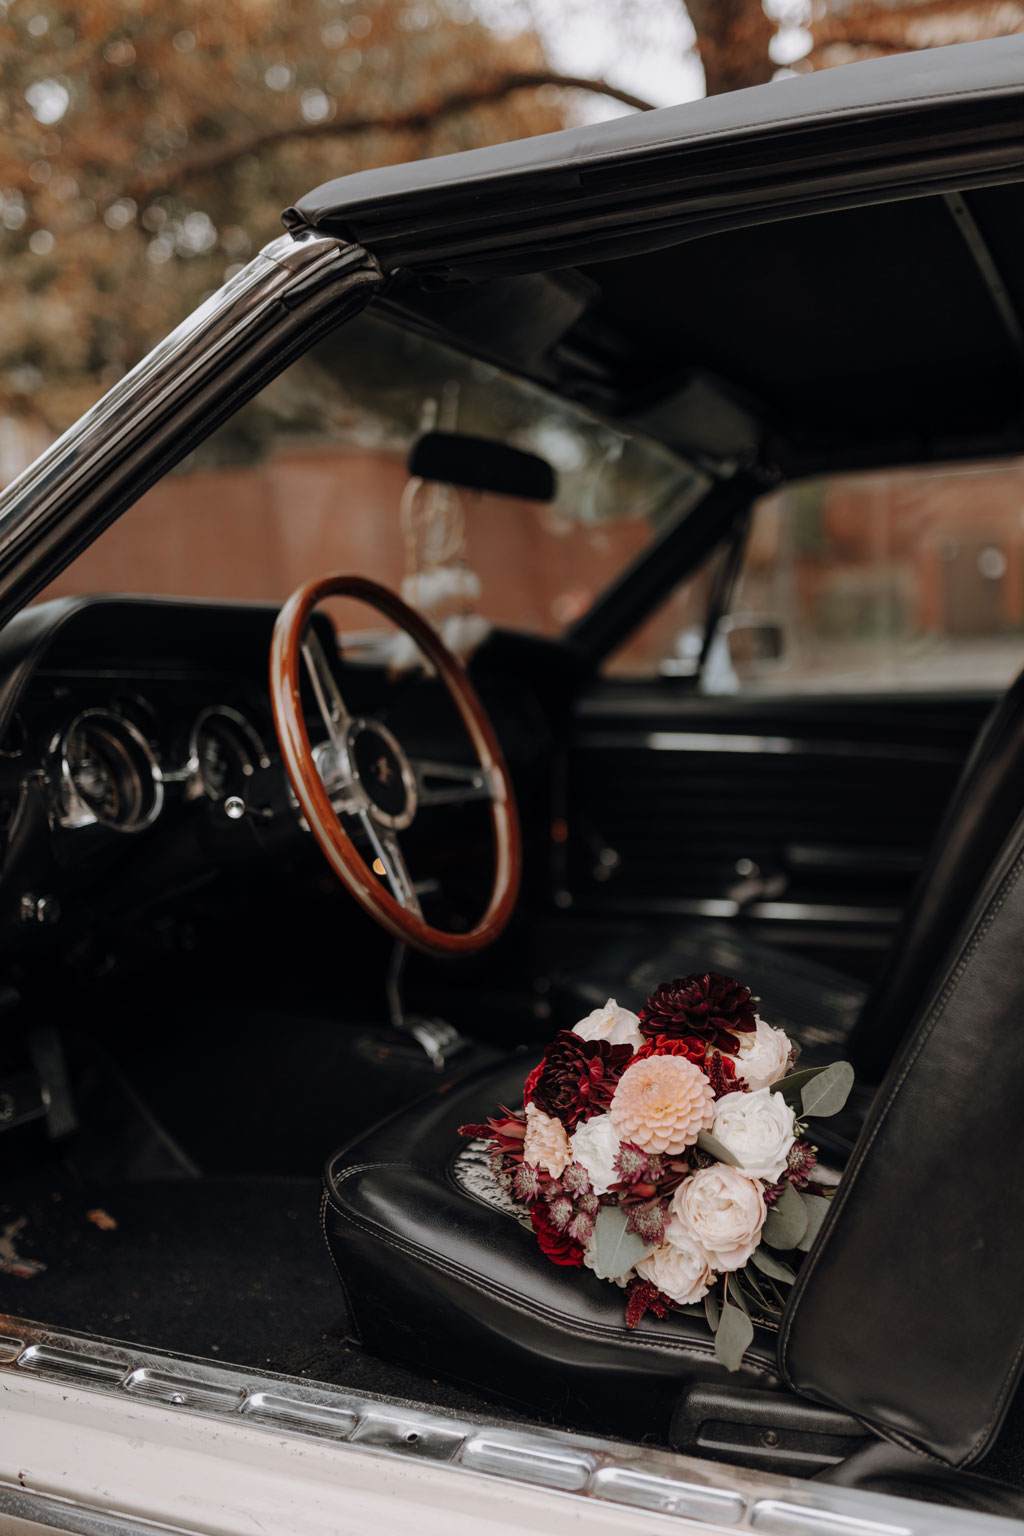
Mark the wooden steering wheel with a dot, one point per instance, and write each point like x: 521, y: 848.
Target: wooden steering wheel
x: 362, y: 776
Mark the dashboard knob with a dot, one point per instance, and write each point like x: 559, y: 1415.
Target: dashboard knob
x: 34, y: 908
x: 234, y: 807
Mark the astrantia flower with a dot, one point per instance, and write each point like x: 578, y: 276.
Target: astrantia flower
x: 616, y: 1025
x: 526, y: 1183
x: 708, y: 1006
x: 763, y: 1057
x: 723, y: 1211
x: 662, y: 1104
x: 578, y: 1077
x: 678, y: 1267
x: 545, y: 1145
x: 561, y: 1211
x: 633, y: 1165
x: 759, y: 1129
x: 576, y: 1178
x: 595, y: 1145
x: 557, y: 1246
x: 648, y: 1220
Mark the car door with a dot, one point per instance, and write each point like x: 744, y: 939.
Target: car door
x: 796, y: 787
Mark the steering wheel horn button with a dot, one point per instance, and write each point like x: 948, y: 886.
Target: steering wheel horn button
x: 382, y: 771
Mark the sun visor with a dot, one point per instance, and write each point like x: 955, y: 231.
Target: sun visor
x: 909, y: 1312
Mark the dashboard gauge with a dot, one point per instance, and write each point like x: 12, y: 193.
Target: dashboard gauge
x: 108, y: 774
x: 224, y: 752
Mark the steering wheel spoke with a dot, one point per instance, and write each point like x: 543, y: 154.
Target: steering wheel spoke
x: 452, y: 783
x: 328, y: 697
x: 388, y: 853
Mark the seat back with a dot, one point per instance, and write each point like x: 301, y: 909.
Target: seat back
x: 984, y: 807
x: 909, y: 1311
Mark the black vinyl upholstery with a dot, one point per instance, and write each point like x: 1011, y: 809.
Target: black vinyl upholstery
x: 446, y: 1280
x: 907, y: 1312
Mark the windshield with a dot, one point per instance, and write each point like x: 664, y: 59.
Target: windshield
x: 311, y: 476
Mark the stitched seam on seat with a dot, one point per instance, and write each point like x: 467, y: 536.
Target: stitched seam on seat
x: 996, y: 905
x: 346, y: 1298
x: 514, y: 1298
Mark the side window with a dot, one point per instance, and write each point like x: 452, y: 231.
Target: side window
x: 898, y: 581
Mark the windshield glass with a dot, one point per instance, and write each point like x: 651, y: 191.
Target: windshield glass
x: 311, y: 477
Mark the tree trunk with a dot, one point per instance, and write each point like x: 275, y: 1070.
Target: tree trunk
x: 732, y: 41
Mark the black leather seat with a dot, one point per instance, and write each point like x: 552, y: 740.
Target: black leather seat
x: 913, y: 1321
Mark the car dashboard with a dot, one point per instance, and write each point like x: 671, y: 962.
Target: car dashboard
x: 138, y: 759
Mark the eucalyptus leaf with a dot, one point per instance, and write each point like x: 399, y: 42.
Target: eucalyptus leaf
x: 749, y: 1280
x: 787, y: 1220
x: 829, y: 1091
x: 732, y: 1337
x: 712, y: 1311
x: 772, y: 1267
x: 714, y: 1148
x: 615, y: 1249
x: 792, y: 1086
x: 755, y: 1294
x: 817, y: 1210
x: 734, y: 1294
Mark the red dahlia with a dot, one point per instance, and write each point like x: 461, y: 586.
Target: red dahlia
x: 557, y: 1246
x: 578, y: 1077
x: 708, y: 1006
x: 690, y: 1046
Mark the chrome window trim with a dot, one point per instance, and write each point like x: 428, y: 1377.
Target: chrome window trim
x: 295, y: 287
x: 761, y: 746
x: 613, y: 1475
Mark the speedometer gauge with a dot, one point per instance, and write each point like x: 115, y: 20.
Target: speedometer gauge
x: 107, y: 774
x: 224, y: 752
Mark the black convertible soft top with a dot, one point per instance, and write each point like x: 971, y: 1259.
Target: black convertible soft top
x: 830, y: 267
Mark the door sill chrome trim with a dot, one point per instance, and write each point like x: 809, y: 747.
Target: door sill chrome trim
x: 627, y: 1477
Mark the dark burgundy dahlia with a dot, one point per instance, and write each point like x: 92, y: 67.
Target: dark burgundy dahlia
x: 577, y: 1077
x: 708, y: 1006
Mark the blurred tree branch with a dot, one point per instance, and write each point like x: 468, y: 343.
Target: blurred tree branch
x: 413, y: 120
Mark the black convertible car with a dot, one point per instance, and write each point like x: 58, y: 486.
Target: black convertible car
x: 698, y: 436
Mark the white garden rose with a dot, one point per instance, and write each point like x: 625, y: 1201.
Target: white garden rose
x: 758, y: 1128
x: 616, y: 1025
x: 596, y: 1146
x: 723, y: 1211
x: 763, y: 1055
x: 545, y: 1144
x: 679, y: 1266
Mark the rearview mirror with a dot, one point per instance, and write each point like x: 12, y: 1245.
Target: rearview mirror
x: 482, y: 464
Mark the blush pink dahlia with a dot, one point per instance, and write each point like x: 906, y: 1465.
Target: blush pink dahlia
x: 662, y: 1104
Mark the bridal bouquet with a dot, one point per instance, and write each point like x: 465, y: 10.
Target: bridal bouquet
x: 666, y: 1151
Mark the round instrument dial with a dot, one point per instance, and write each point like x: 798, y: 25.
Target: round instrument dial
x: 225, y: 752
x: 108, y: 774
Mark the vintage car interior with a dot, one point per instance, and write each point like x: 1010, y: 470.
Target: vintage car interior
x: 281, y: 890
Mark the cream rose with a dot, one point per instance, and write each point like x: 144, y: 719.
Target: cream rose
x: 763, y: 1055
x: 596, y: 1146
x: 679, y: 1266
x: 758, y: 1128
x: 545, y: 1144
x: 616, y: 1025
x: 723, y: 1211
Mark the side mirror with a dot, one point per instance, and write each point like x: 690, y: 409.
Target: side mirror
x: 757, y: 643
